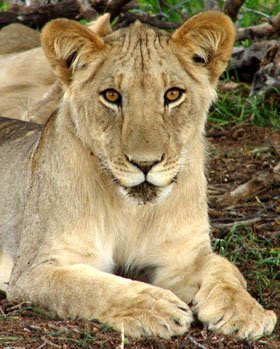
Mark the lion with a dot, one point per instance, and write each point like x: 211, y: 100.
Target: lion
x: 22, y: 85
x: 104, y: 208
x: 28, y: 87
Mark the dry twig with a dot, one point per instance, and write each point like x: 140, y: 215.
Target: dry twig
x: 196, y: 343
x: 245, y: 222
x: 47, y: 341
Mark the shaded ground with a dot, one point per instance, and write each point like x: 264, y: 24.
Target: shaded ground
x: 238, y: 153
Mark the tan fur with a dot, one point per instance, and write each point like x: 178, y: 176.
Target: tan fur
x: 110, y: 189
x: 28, y: 87
x: 17, y: 37
x: 24, y: 78
x: 6, y: 265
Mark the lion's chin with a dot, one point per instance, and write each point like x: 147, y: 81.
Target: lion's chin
x: 146, y: 192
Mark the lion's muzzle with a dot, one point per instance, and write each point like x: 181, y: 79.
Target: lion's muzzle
x: 145, y: 181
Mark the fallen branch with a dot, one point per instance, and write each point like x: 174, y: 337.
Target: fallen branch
x: 249, y: 189
x: 38, y: 15
x: 87, y: 10
x: 247, y: 61
x: 232, y: 7
x: 115, y: 7
x: 267, y: 78
x: 145, y: 18
x: 261, y: 31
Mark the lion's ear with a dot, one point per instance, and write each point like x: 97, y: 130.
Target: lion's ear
x: 69, y: 46
x: 102, y: 25
x: 209, y: 38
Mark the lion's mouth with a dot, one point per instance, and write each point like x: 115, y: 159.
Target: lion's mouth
x: 146, y: 192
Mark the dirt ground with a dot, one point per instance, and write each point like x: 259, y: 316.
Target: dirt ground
x: 237, y: 154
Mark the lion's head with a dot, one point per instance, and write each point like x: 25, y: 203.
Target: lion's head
x: 138, y: 97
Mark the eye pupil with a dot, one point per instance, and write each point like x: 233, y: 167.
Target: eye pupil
x: 172, y: 95
x: 111, y: 96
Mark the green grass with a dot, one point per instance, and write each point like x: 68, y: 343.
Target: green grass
x: 42, y: 313
x: 255, y: 256
x: 3, y: 6
x: 236, y: 107
x: 251, y: 13
x: 6, y: 341
x: 84, y: 340
x: 171, y: 10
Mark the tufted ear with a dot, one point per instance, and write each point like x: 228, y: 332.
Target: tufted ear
x: 102, y: 25
x: 209, y: 38
x: 68, y: 46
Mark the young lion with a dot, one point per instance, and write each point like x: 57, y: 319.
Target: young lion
x: 114, y: 184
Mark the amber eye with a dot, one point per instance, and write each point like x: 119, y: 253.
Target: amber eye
x: 112, y: 96
x: 172, y: 95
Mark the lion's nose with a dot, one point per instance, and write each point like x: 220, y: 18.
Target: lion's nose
x: 145, y: 165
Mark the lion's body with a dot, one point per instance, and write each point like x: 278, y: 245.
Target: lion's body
x: 21, y: 87
x: 16, y: 37
x: 119, y: 188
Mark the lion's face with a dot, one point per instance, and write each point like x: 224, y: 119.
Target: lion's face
x: 139, y: 103
x: 141, y: 109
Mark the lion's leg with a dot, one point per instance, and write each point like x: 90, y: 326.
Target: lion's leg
x: 224, y: 303
x: 6, y: 265
x: 85, y: 292
x: 218, y: 293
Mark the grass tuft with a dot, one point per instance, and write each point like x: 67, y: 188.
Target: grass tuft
x: 235, y: 107
x: 255, y: 256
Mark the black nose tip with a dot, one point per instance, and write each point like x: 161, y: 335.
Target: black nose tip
x: 145, y: 166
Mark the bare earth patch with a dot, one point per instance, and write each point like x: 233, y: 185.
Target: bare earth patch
x: 237, y: 154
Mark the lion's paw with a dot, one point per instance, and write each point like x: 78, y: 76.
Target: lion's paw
x: 152, y: 312
x: 233, y: 311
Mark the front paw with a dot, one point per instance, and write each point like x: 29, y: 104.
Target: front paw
x: 231, y: 310
x: 151, y: 311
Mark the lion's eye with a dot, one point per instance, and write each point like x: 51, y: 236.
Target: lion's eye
x: 173, y: 95
x: 112, y: 96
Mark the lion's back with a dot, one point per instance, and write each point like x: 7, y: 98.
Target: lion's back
x: 24, y: 79
x: 18, y: 140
